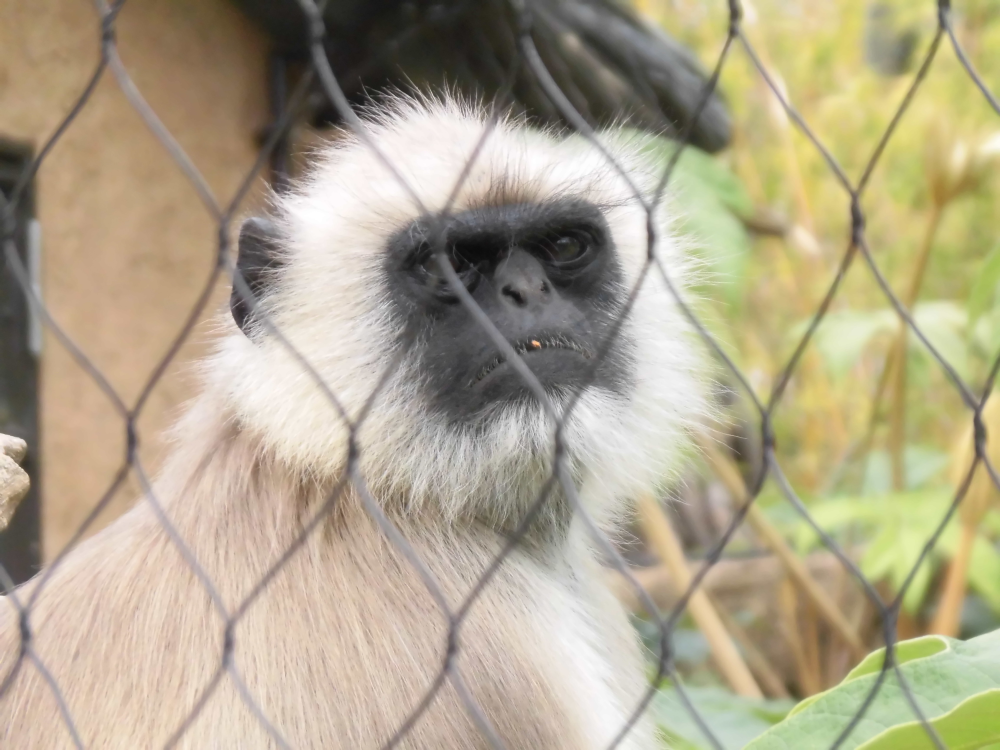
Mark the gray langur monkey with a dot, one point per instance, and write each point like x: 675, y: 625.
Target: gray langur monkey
x: 345, y: 640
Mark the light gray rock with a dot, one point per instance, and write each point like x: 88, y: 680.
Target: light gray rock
x: 13, y: 447
x: 14, y: 481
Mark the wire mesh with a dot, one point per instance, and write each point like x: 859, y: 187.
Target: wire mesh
x: 449, y: 673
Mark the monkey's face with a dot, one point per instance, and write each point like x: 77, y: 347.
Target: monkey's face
x: 546, y: 276
x: 550, y: 246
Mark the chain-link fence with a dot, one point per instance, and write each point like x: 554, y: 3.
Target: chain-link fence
x: 528, y: 62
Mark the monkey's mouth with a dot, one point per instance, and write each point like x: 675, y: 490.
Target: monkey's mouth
x: 531, y: 345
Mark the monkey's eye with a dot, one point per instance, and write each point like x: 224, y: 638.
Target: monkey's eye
x: 459, y: 263
x: 568, y: 250
x: 430, y: 270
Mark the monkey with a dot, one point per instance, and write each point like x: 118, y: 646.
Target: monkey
x: 410, y: 495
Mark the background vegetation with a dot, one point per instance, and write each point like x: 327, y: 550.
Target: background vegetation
x: 875, y: 450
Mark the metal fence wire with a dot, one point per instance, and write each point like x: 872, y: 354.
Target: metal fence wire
x: 224, y: 212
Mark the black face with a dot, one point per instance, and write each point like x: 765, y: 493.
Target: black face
x: 256, y: 260
x: 547, y: 277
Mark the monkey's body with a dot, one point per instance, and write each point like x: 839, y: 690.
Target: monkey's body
x: 334, y: 659
x: 342, y: 645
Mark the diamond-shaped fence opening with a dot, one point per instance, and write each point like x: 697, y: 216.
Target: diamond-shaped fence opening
x: 522, y: 67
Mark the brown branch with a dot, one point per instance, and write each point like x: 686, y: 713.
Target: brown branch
x: 661, y: 538
x: 897, y: 411
x: 769, y: 535
x: 948, y: 617
x: 769, y: 678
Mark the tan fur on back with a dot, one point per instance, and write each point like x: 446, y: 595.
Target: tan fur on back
x: 346, y: 640
x: 337, y: 651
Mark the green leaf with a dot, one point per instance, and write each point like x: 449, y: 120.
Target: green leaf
x: 944, y: 324
x: 734, y: 720
x: 833, y: 515
x: 880, y: 557
x: 906, y: 651
x: 845, y: 335
x: 920, y: 465
x: 986, y: 333
x: 986, y: 284
x: 718, y: 236
x: 990, y: 523
x: 709, y: 200
x: 897, y: 526
x: 878, y: 474
x: 984, y: 572
x: 971, y: 725
x: 956, y: 684
x: 707, y: 169
x: 911, y: 545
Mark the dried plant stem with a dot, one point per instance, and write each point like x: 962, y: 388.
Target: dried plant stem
x: 907, y: 626
x: 727, y: 657
x: 803, y: 207
x: 802, y: 203
x: 810, y: 640
x: 873, y: 416
x: 745, y: 166
x: 980, y: 496
x: 825, y: 606
x: 770, y: 680
x: 948, y: 617
x: 897, y: 410
x: 809, y: 682
x: 890, y: 368
x: 859, y: 609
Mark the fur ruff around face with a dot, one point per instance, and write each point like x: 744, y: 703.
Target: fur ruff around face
x: 330, y: 301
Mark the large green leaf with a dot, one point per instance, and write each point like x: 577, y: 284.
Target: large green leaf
x: 956, y: 684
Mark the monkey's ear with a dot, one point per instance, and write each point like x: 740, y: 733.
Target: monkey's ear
x: 257, y: 258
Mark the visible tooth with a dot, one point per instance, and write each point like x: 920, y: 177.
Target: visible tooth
x: 487, y: 370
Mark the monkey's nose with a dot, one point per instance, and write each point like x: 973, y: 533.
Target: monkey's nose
x: 522, y: 281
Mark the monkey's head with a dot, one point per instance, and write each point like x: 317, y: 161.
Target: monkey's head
x: 547, y: 238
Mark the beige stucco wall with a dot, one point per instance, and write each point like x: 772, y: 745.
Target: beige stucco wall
x: 127, y: 245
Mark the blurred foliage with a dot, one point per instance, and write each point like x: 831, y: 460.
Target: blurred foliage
x: 846, y: 67
x: 709, y: 201
x: 956, y: 685
x: 898, y: 525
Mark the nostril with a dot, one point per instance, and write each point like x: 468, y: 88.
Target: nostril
x: 545, y: 287
x: 514, y: 294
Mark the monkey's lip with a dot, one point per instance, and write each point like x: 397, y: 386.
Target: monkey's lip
x: 530, y: 346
